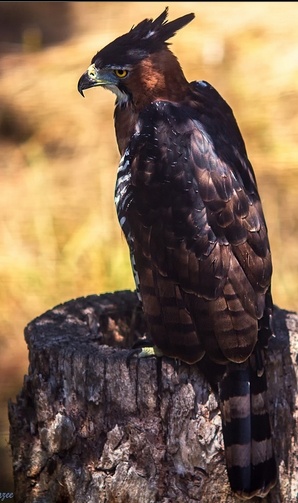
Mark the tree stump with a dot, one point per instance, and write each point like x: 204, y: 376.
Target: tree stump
x: 94, y: 423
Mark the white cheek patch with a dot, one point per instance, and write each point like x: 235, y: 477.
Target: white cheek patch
x: 121, y: 97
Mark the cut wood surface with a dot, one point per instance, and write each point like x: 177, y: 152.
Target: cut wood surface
x: 95, y: 423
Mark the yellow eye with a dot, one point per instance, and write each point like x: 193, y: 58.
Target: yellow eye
x: 120, y: 73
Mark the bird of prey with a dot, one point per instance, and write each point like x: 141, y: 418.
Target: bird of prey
x: 187, y: 200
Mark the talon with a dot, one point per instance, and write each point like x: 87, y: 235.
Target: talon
x: 150, y: 351
x: 143, y: 352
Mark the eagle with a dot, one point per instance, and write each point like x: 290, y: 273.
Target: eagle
x: 188, y: 203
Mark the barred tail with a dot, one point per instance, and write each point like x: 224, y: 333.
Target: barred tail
x: 246, y: 431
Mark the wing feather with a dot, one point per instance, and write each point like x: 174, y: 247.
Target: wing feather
x: 196, y: 216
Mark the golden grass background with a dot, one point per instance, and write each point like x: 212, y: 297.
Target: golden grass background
x: 60, y: 238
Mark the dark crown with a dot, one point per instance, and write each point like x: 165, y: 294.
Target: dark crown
x: 145, y: 38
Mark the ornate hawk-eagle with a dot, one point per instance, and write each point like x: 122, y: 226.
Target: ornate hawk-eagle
x: 188, y: 203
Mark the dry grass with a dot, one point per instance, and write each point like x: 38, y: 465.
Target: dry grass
x: 60, y: 238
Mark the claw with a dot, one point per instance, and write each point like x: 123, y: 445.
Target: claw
x: 150, y: 351
x: 144, y: 352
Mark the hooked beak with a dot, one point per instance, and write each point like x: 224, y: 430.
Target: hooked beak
x: 92, y: 78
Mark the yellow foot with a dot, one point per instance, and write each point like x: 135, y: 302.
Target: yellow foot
x: 144, y: 352
x: 150, y: 351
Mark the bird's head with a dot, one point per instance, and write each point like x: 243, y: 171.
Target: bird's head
x: 136, y: 64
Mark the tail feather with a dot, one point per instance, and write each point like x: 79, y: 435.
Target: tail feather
x: 247, y: 437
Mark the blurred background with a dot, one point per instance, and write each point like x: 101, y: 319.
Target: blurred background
x: 59, y: 235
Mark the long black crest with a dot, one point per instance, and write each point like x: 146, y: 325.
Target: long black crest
x: 160, y: 29
x: 145, y: 38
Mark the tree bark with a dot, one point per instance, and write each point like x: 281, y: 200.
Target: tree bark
x: 94, y: 423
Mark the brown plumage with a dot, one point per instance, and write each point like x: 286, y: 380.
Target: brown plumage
x: 188, y: 203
